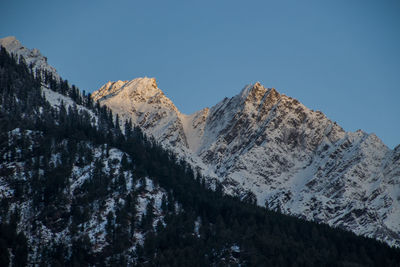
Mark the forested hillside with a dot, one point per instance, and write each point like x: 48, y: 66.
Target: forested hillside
x: 77, y: 190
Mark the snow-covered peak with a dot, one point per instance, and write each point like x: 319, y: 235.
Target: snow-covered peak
x: 252, y: 89
x: 146, y: 105
x: 108, y: 90
x: 145, y: 87
x: 256, y: 94
x: 31, y: 56
x: 140, y: 89
x: 134, y: 95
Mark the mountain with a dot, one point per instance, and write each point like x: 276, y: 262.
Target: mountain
x: 142, y: 102
x: 147, y: 105
x: 77, y: 190
x: 267, y: 147
x: 32, y: 57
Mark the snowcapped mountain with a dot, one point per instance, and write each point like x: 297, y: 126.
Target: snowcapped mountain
x: 266, y: 147
x: 289, y: 157
x: 32, y: 56
x: 141, y: 101
x: 146, y: 105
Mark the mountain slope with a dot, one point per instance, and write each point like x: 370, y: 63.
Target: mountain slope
x: 289, y: 157
x: 299, y: 161
x: 76, y: 191
x: 32, y: 57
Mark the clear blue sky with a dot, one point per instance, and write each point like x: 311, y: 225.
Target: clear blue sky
x: 340, y: 57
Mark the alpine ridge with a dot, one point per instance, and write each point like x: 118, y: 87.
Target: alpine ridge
x: 77, y: 189
x: 269, y: 148
x: 264, y: 147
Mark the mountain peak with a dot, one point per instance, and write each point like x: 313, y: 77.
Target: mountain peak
x: 31, y: 56
x: 134, y: 94
x: 10, y: 41
x: 107, y: 90
x: 144, y: 87
x: 256, y: 94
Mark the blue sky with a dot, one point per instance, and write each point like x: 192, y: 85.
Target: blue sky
x: 340, y: 57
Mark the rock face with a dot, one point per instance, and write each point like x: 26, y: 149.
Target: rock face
x: 32, y: 57
x: 268, y: 147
